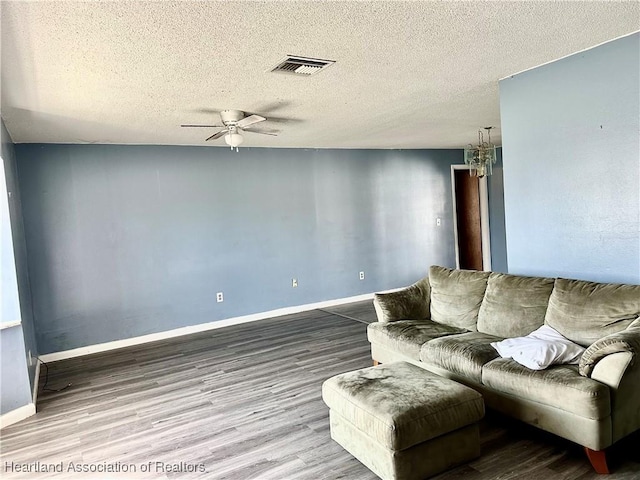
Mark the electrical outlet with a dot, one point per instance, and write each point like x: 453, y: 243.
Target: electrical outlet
x: 219, y: 297
x: 294, y: 283
x: 361, y: 275
x: 438, y: 222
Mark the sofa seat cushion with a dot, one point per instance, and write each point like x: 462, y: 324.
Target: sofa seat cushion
x: 514, y: 306
x: 463, y: 354
x: 407, y: 336
x: 559, y: 386
x: 456, y: 296
x: 586, y: 311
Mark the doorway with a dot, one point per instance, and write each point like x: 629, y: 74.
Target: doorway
x: 470, y: 219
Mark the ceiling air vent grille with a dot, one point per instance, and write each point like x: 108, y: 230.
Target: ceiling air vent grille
x: 302, y: 66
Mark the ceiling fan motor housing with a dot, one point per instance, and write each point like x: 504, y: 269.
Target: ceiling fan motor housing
x: 231, y: 116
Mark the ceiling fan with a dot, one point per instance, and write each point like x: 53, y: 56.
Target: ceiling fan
x: 234, y: 123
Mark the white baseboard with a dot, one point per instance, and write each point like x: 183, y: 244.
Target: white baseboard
x: 18, y: 414
x: 203, y: 327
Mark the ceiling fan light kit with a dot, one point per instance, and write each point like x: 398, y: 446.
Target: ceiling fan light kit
x: 233, y: 140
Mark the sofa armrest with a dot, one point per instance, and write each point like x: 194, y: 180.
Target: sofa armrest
x: 622, y: 376
x: 611, y: 368
x: 624, y: 341
x: 411, y: 303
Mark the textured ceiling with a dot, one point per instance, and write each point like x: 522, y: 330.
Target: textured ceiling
x: 419, y: 74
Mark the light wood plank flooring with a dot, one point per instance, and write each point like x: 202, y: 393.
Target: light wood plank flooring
x: 244, y: 402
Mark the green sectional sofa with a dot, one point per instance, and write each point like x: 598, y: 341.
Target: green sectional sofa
x: 447, y: 321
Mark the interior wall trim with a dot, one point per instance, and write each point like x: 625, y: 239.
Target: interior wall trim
x: 18, y: 414
x: 484, y: 218
x: 5, y: 325
x: 36, y: 382
x: 202, y: 327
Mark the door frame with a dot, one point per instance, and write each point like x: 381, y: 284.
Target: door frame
x: 484, y: 218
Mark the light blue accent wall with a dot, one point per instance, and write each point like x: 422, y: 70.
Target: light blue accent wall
x: 130, y: 240
x: 17, y: 378
x: 9, y: 300
x: 14, y: 379
x: 571, y: 153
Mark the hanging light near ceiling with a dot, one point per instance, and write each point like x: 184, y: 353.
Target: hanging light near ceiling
x: 233, y: 138
x: 481, y: 157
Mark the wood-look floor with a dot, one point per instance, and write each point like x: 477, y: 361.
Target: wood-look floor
x: 244, y: 402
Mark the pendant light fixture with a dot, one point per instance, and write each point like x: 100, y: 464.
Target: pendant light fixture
x: 482, y: 156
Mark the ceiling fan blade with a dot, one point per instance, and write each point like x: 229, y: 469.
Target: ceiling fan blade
x: 271, y: 107
x: 261, y: 132
x: 217, y: 135
x: 201, y: 126
x: 273, y: 119
x: 208, y: 110
x: 250, y: 120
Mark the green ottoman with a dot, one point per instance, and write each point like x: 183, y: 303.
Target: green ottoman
x: 403, y: 422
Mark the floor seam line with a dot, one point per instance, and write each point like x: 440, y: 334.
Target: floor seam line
x: 344, y: 316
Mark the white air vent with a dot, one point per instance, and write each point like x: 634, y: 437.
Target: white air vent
x: 302, y: 66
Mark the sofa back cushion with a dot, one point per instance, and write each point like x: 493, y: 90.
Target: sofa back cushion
x: 513, y: 305
x: 456, y: 296
x: 586, y: 311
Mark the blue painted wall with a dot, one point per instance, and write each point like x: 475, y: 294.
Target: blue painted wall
x: 17, y: 378
x: 572, y: 165
x: 131, y: 240
x: 14, y: 380
x: 9, y: 301
x: 498, y: 236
